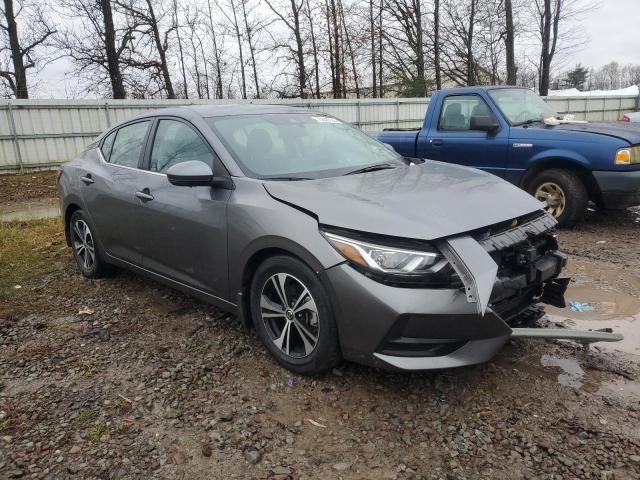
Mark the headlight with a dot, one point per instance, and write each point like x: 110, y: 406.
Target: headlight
x: 628, y: 156
x: 392, y: 264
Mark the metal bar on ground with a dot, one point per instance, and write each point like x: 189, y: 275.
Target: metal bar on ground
x: 580, y: 336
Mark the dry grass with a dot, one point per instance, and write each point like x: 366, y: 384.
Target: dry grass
x: 29, y: 250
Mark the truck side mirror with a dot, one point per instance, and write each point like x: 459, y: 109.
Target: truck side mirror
x: 484, y: 123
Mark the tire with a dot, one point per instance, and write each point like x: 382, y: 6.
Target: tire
x: 302, y: 338
x: 86, y: 250
x: 566, y: 190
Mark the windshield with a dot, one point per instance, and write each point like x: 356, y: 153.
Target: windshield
x: 298, y: 145
x: 521, y: 106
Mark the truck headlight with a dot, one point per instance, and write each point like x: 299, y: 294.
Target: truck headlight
x: 396, y: 265
x: 628, y: 156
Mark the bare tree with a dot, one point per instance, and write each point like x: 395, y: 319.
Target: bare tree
x: 150, y: 20
x: 291, y: 17
x: 553, y: 17
x: 19, y: 46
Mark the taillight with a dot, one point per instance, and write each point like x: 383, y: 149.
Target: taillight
x: 625, y: 118
x: 58, y: 175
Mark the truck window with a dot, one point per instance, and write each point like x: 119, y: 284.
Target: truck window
x: 457, y: 111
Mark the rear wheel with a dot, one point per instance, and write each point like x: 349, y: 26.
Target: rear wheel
x: 564, y: 194
x: 85, y: 248
x: 292, y: 315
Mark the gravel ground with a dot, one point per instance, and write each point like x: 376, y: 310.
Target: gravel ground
x: 121, y: 378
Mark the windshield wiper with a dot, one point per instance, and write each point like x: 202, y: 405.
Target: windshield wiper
x: 527, y: 122
x: 371, y: 168
x: 287, y: 178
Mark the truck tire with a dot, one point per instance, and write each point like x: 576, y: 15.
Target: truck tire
x: 565, y: 193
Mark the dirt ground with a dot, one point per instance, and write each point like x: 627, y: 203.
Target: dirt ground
x: 122, y: 378
x: 27, y: 186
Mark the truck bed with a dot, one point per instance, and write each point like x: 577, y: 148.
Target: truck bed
x: 403, y: 140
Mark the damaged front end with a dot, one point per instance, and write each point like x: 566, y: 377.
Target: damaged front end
x: 510, y: 268
x: 508, y: 272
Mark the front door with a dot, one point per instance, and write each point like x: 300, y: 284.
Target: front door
x: 454, y: 141
x: 183, y: 229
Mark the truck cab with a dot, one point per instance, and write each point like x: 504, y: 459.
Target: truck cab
x: 513, y: 133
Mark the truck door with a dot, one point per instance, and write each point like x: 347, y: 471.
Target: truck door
x: 452, y: 137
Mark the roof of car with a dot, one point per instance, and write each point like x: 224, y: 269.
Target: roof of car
x: 207, y: 111
x: 475, y: 89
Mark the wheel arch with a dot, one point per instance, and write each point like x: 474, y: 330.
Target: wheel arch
x: 69, y: 210
x: 577, y: 166
x: 261, y: 250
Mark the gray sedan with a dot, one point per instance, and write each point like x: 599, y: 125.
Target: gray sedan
x: 329, y: 244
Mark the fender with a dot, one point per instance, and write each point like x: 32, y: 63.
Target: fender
x: 562, y: 154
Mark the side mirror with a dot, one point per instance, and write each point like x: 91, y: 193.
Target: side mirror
x: 197, y: 174
x: 484, y: 123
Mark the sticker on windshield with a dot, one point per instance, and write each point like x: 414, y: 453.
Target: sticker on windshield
x: 326, y: 120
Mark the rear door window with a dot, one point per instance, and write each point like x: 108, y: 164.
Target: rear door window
x: 128, y: 144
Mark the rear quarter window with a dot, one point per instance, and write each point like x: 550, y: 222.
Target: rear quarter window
x: 107, y: 145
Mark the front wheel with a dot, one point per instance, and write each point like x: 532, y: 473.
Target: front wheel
x: 292, y: 315
x: 564, y: 194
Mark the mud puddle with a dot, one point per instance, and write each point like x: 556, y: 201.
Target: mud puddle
x: 27, y: 211
x: 615, y: 310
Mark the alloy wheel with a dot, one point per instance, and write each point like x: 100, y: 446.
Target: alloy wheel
x: 83, y: 244
x: 290, y: 315
x: 554, y: 197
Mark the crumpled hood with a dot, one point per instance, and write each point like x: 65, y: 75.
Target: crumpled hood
x: 424, y: 202
x: 624, y: 131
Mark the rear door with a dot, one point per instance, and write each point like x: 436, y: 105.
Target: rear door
x: 183, y: 229
x: 451, y: 139
x: 109, y: 187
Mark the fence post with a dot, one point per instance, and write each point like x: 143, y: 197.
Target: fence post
x: 358, y: 113
x: 397, y: 113
x: 16, y: 143
x: 106, y: 114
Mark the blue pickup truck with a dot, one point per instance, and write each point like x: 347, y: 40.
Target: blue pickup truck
x: 513, y: 133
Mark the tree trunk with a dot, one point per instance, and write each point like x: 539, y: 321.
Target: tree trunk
x: 510, y: 41
x: 380, y: 64
x: 19, y: 71
x: 113, y: 63
x: 239, y: 38
x: 436, y: 43
x: 336, y: 47
x: 420, y: 48
x: 164, y: 67
x: 298, y: 34
x: 251, y: 48
x: 545, y: 60
x: 471, y: 78
x: 316, y: 62
x: 184, y: 72
x: 331, y: 58
x: 353, y: 60
x: 216, y: 54
x: 373, y: 47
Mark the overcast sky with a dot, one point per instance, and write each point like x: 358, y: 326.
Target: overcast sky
x: 611, y: 34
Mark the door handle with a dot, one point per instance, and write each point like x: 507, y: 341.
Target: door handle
x: 436, y: 142
x: 144, y: 195
x: 87, y: 179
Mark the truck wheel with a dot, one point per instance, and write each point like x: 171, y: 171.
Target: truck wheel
x: 565, y: 194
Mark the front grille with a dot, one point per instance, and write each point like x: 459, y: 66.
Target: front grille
x: 527, y: 256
